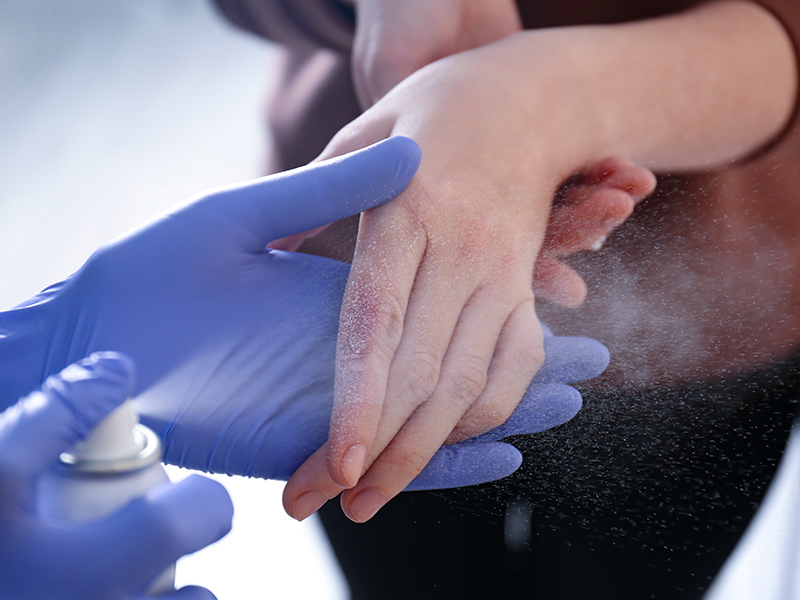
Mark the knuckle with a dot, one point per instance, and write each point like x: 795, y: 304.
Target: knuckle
x: 530, y: 356
x: 423, y: 374
x: 468, y: 381
x: 411, y: 461
x: 371, y: 324
x: 497, y: 413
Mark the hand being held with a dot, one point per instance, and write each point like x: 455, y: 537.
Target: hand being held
x: 438, y: 338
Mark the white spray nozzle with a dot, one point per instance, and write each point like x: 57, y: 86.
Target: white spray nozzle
x: 114, y: 438
x: 117, y: 444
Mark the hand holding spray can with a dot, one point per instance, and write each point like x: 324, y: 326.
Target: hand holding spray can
x: 117, y: 462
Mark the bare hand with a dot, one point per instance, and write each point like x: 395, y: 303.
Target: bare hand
x: 438, y: 337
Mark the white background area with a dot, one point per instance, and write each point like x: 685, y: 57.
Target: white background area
x: 110, y: 112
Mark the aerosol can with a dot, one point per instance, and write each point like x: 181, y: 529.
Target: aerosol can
x: 119, y: 461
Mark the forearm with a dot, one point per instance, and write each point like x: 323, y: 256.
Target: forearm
x: 689, y: 91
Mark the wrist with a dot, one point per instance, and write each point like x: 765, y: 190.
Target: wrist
x: 692, y: 90
x: 554, y: 91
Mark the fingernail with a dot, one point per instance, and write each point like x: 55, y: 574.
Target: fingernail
x: 353, y: 464
x: 365, y: 505
x: 307, y: 504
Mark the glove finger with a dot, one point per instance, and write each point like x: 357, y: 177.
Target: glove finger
x: 545, y: 406
x: 170, y: 521
x: 571, y: 359
x: 36, y: 430
x: 467, y: 463
x: 295, y: 201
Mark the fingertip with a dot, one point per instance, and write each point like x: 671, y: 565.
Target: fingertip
x: 103, y: 379
x: 309, y: 487
x: 212, y: 495
x: 394, y: 162
x: 305, y: 505
x: 406, y: 148
x: 569, y: 359
x: 116, y: 363
x: 555, y: 281
x: 467, y: 463
x: 198, y: 511
x: 348, y: 470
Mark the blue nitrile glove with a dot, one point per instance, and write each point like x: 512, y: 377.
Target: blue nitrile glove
x: 548, y: 402
x: 234, y: 344
x: 116, y: 557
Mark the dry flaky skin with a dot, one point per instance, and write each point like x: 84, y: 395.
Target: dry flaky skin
x: 438, y: 317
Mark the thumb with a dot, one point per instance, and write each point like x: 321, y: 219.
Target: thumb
x: 301, y: 199
x: 155, y: 530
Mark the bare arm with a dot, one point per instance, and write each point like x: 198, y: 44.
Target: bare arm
x: 689, y: 91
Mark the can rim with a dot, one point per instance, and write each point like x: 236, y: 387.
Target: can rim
x: 148, y: 455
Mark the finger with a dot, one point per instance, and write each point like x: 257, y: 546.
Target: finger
x: 583, y: 223
x: 614, y: 172
x: 595, y: 201
x: 280, y: 205
x: 365, y: 131
x: 462, y: 380
x: 555, y: 281
x: 571, y: 359
x: 466, y: 464
x: 436, y: 329
x: 310, y: 486
x: 518, y: 357
x: 624, y: 175
x: 170, y: 521
x: 457, y: 465
x: 546, y: 405
x: 35, y: 431
x: 370, y: 330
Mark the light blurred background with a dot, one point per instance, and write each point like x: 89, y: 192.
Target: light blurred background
x: 110, y: 112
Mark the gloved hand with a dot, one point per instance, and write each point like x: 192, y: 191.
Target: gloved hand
x: 229, y: 339
x: 548, y: 402
x: 116, y: 557
x: 234, y: 345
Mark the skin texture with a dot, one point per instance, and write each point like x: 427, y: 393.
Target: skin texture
x: 438, y: 329
x: 587, y: 208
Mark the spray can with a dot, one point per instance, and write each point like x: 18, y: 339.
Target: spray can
x: 119, y: 461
